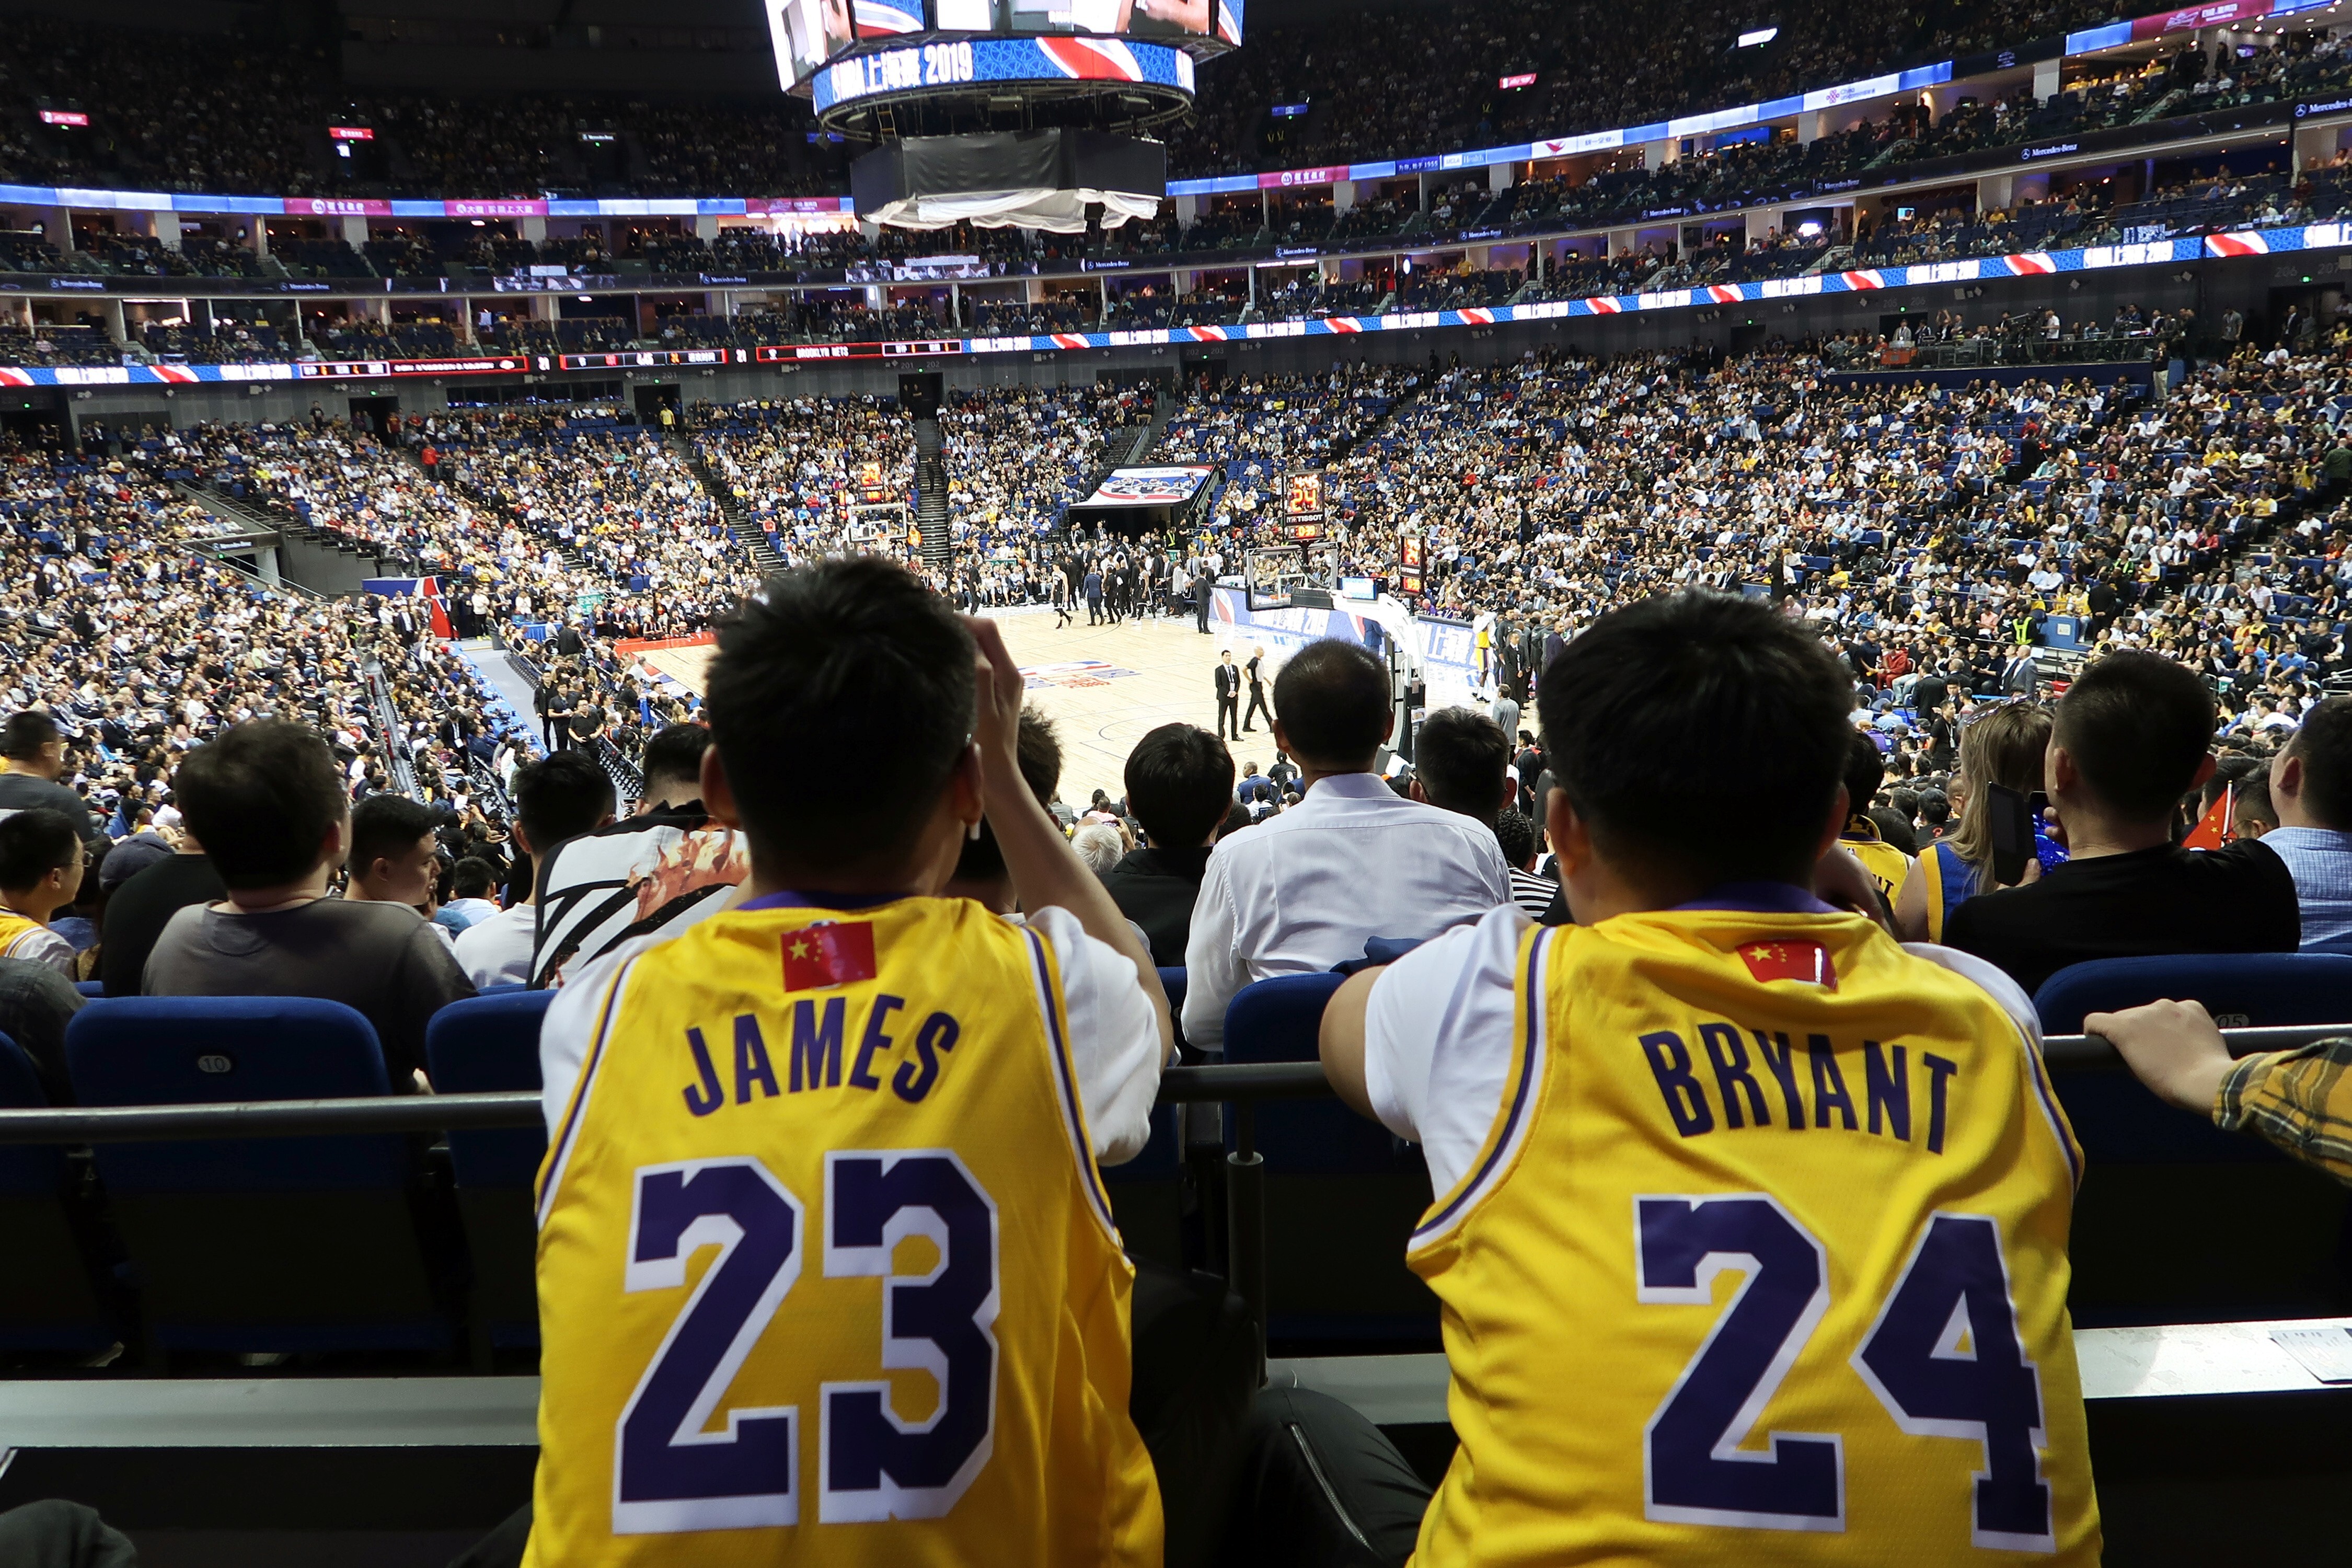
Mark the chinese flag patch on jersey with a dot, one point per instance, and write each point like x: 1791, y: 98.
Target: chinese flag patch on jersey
x: 1805, y: 960
x: 833, y: 954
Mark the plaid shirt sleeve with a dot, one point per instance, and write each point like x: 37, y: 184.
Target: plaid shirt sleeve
x: 2299, y: 1100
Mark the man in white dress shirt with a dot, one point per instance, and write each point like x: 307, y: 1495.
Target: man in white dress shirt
x: 1303, y: 890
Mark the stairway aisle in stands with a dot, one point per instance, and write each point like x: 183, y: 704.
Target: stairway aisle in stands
x: 502, y: 675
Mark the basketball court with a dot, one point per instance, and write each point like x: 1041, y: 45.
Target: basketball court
x: 1104, y: 687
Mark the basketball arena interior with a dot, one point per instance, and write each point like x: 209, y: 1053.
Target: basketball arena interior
x: 497, y: 499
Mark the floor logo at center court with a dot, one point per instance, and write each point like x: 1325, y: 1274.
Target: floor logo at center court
x: 1070, y: 676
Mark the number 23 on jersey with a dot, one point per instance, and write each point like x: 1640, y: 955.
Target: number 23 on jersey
x: 671, y: 1472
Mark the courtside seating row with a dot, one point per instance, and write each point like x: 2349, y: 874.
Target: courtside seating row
x: 365, y: 1243
x: 271, y: 1244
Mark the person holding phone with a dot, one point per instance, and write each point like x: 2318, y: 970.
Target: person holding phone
x: 2000, y: 745
x: 2128, y: 741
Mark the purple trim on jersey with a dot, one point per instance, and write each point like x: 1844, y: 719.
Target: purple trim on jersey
x: 794, y: 901
x: 1759, y: 897
x: 560, y: 1151
x: 2058, y: 1127
x: 1471, y: 1188
x: 1096, y: 1193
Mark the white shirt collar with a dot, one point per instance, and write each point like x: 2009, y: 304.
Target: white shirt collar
x: 1350, y: 786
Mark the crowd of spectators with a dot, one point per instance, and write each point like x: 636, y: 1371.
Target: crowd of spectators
x: 289, y: 795
x: 1369, y: 94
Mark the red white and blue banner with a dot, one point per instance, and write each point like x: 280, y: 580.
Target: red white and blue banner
x: 426, y: 588
x: 1991, y: 268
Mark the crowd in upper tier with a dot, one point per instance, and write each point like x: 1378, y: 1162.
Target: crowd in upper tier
x: 223, y: 115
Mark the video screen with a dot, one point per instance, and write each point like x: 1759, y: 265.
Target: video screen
x: 1134, y: 18
x: 808, y: 34
x: 804, y: 34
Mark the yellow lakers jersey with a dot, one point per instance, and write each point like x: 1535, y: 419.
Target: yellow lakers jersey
x: 1764, y: 1261
x: 1886, y: 865
x: 826, y: 1274
x: 15, y: 928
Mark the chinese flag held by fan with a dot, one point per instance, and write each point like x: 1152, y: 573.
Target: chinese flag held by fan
x: 831, y: 955
x: 2213, y: 829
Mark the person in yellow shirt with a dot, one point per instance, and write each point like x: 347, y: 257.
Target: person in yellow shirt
x: 1724, y: 1277
x: 41, y: 862
x: 826, y: 1272
x: 1886, y: 865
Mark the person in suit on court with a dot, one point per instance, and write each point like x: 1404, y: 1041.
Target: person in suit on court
x: 1229, y: 686
x: 2020, y: 674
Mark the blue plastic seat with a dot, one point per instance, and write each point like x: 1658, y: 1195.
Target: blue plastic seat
x: 262, y: 1245
x: 1146, y: 1193
x: 2178, y: 1221
x: 1342, y: 1193
x: 2257, y: 989
x: 47, y: 1299
x: 480, y: 1045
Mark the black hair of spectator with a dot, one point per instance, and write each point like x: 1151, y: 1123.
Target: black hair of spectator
x: 1515, y: 832
x: 384, y: 827
x: 261, y: 798
x: 1039, y: 753
x: 1334, y: 702
x: 2253, y: 801
x: 26, y: 733
x: 1866, y: 770
x: 1895, y: 828
x: 1179, y: 783
x: 1698, y: 706
x: 560, y: 797
x: 846, y: 658
x: 34, y: 842
x: 2136, y: 725
x: 472, y: 877
x: 1935, y: 807
x: 674, y: 755
x: 2323, y: 746
x: 1460, y: 756
x: 1237, y: 818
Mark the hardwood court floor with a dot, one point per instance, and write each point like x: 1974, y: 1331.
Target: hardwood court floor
x: 1104, y: 687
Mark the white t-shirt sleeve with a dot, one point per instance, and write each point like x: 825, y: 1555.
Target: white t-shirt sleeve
x: 497, y: 950
x: 1438, y: 1040
x: 568, y: 1030
x: 1113, y: 1039
x: 1214, y: 972
x: 42, y: 946
x: 1994, y: 981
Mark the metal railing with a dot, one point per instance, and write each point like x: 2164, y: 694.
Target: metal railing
x: 1242, y: 1086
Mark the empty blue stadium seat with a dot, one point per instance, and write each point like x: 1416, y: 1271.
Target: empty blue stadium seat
x: 1342, y: 1193
x: 2178, y: 1221
x: 47, y: 1299
x: 1174, y: 982
x: 480, y: 1045
x: 266, y: 1244
x: 2258, y: 989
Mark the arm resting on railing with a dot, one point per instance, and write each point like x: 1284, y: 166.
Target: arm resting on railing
x: 2297, y: 1099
